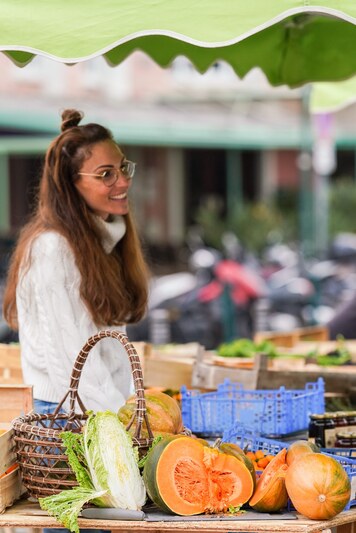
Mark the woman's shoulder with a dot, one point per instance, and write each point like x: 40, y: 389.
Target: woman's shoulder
x: 50, y: 238
x: 50, y: 242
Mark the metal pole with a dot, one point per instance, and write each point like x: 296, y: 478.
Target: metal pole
x: 306, y: 222
x: 233, y: 182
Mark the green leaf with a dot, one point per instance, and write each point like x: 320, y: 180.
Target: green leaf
x: 73, y: 443
x: 235, y: 509
x: 66, y: 505
x: 142, y: 461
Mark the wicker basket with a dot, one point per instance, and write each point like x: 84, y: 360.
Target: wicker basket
x: 39, y: 448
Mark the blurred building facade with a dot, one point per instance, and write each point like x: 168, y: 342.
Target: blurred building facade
x: 193, y: 136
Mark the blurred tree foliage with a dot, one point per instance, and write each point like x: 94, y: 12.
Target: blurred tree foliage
x: 257, y: 224
x: 342, y: 207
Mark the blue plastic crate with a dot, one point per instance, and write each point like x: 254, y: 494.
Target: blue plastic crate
x: 270, y: 412
x: 246, y: 438
x: 343, y: 452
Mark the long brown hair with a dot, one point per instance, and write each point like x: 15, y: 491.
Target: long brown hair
x: 114, y: 286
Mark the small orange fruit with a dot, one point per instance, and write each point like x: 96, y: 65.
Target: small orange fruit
x: 263, y: 462
x: 251, y: 456
x: 259, y: 454
x: 255, y: 465
x: 269, y: 457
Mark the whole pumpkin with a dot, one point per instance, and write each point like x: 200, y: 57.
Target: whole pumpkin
x: 163, y: 412
x: 299, y: 448
x: 318, y: 486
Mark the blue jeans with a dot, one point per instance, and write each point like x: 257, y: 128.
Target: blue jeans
x: 42, y: 407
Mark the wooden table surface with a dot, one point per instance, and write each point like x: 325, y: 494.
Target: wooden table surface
x: 29, y: 515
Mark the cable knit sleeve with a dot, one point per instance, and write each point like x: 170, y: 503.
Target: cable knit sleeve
x: 54, y: 326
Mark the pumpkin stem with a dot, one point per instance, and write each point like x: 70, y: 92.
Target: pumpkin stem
x: 217, y: 443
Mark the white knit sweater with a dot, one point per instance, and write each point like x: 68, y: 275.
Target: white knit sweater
x: 54, y: 324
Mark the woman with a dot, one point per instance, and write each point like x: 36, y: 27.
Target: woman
x: 78, y: 267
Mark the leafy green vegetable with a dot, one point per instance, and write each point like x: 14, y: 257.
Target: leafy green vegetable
x: 112, y: 462
x: 246, y: 348
x: 66, y: 505
x: 76, y: 458
x: 105, y: 464
x: 156, y: 440
x: 339, y: 356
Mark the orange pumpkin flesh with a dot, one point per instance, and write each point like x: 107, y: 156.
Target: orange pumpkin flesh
x: 230, y: 482
x: 232, y: 449
x: 318, y: 486
x: 271, y: 494
x: 188, y: 478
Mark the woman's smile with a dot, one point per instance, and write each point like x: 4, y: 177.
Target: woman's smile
x: 103, y: 200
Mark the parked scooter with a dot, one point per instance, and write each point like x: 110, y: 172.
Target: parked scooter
x: 212, y: 303
x: 300, y: 293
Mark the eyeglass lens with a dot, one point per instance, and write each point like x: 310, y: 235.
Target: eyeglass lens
x: 111, y: 175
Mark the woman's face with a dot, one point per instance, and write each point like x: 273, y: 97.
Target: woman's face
x: 104, y: 200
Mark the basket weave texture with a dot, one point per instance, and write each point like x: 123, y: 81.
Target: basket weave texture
x: 39, y: 448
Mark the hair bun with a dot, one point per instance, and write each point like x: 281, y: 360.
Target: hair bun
x: 70, y: 118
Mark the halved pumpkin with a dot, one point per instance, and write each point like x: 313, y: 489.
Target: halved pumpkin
x: 270, y: 494
x: 184, y: 477
x: 232, y: 449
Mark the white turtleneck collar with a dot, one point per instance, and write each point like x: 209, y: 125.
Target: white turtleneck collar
x: 113, y: 231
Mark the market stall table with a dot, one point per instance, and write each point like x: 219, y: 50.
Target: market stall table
x: 26, y: 514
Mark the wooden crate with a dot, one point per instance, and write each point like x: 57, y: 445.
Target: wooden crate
x: 15, y: 400
x: 291, y: 338
x: 168, y: 373
x: 208, y: 375
x: 7, y: 455
x: 171, y: 366
x: 11, y: 487
x: 10, y: 364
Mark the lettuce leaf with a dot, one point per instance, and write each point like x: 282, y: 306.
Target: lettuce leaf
x: 66, y: 505
x: 105, y: 464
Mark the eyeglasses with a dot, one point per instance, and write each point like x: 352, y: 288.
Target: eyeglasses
x: 109, y: 176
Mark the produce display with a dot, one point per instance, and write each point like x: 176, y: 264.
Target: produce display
x: 185, y: 475
x: 246, y: 348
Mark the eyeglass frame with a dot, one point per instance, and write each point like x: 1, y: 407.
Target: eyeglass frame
x: 117, y: 170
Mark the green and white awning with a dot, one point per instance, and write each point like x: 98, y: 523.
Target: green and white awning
x: 293, y: 42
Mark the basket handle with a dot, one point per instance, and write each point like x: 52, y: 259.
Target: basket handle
x: 140, y: 412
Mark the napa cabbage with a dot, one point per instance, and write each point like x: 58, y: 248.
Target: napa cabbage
x: 105, y: 464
